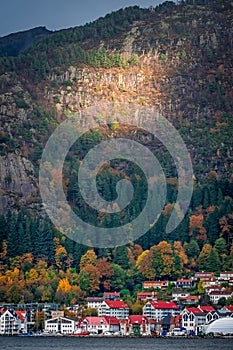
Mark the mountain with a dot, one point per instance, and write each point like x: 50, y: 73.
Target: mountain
x: 13, y: 44
x: 175, y: 57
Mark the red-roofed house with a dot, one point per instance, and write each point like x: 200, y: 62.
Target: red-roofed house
x: 114, y: 308
x: 229, y: 308
x: 194, y: 318
x: 207, y: 308
x: 100, y: 325
x: 136, y: 325
x: 210, y: 289
x: 23, y: 320
x: 191, y: 299
x: 147, y: 296
x: 160, y: 309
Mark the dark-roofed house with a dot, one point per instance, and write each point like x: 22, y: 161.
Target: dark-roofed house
x: 185, y: 283
x: 215, y: 296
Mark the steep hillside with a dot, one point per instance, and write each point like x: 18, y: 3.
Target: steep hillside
x: 175, y: 57
x: 13, y: 44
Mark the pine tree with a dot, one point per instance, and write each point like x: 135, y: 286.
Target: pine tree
x: 213, y: 262
x: 47, y: 248
x: 12, y: 236
x: 212, y: 226
x: 121, y: 257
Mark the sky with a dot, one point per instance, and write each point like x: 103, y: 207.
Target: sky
x: 19, y: 15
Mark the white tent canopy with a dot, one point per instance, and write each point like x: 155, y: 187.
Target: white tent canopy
x: 221, y: 326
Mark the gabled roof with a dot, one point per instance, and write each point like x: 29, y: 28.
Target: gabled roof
x: 220, y: 292
x: 140, y: 319
x: 230, y: 308
x: 207, y: 308
x: 164, y: 305
x: 21, y: 315
x: 190, y: 297
x: 97, y: 320
x: 94, y: 320
x: 195, y: 310
x: 118, y: 304
x: 112, y: 320
x: 111, y: 294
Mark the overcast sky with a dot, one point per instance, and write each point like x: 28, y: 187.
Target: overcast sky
x: 18, y: 15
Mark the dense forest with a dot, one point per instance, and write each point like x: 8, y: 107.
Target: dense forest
x: 38, y: 263
x: 185, y: 70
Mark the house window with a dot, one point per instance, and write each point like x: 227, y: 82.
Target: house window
x: 185, y: 317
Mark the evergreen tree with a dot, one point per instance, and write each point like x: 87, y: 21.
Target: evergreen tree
x: 12, y: 236
x: 213, y: 262
x: 212, y: 226
x: 47, y: 248
x: 121, y: 257
x: 192, y: 249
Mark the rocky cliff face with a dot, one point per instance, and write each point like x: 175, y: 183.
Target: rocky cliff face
x: 184, y: 68
x: 18, y: 182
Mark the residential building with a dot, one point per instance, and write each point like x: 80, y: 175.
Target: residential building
x: 94, y: 303
x: 139, y: 323
x: 190, y: 300
x: 226, y: 275
x: 147, y: 296
x: 155, y: 284
x: 215, y: 288
x: 160, y: 309
x: 11, y: 323
x: 55, y: 314
x: 195, y: 318
x: 215, y: 296
x: 100, y: 325
x: 228, y: 310
x: 204, y: 276
x: 63, y: 325
x: 114, y: 308
x: 111, y: 295
x: 179, y: 293
x: 185, y: 283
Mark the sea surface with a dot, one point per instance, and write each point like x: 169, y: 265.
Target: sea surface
x: 69, y: 343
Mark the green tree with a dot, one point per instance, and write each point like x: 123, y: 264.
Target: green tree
x: 213, y: 262
x: 118, y: 279
x: 121, y: 257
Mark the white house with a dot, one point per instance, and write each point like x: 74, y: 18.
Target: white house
x: 63, y: 325
x: 226, y: 275
x: 94, y: 303
x: 160, y: 309
x: 195, y: 318
x: 179, y: 293
x: 11, y: 323
x: 215, y: 296
x: 116, y: 308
